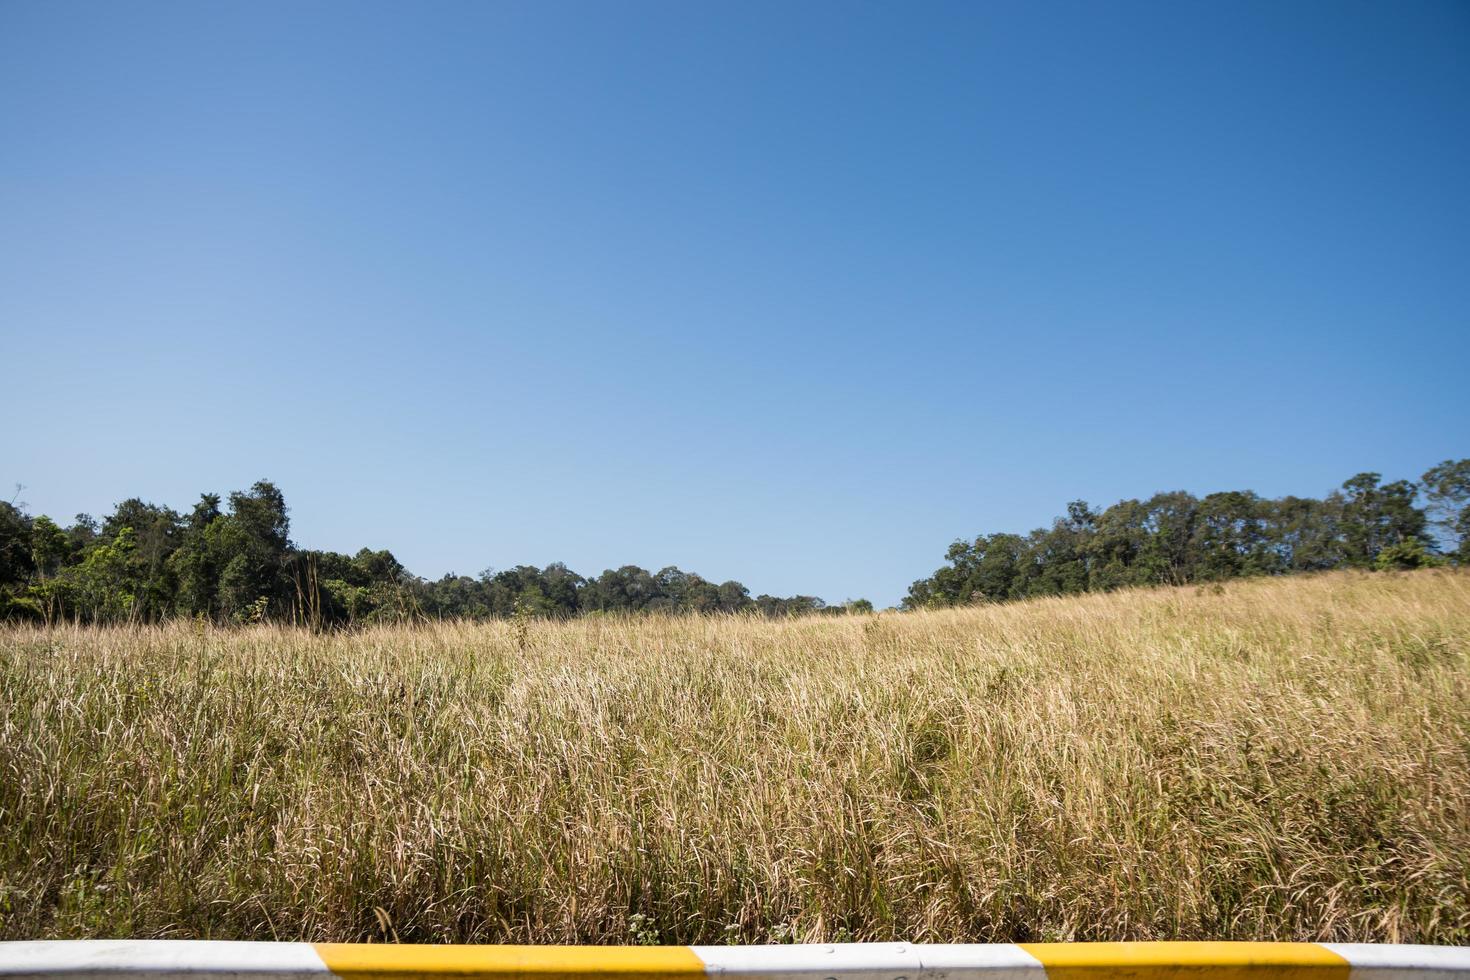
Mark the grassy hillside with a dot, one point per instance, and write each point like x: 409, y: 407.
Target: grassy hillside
x: 1275, y: 759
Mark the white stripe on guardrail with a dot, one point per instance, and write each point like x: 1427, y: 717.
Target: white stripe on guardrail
x: 870, y: 961
x: 1385, y: 962
x: 98, y: 959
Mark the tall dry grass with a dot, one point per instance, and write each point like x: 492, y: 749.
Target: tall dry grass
x: 1281, y: 759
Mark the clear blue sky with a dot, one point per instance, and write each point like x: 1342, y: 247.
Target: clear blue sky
x: 793, y: 293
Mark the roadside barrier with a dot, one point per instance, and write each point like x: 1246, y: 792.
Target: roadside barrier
x: 163, y: 959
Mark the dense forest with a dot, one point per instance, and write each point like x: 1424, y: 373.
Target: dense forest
x: 234, y: 561
x: 237, y: 563
x: 1176, y: 538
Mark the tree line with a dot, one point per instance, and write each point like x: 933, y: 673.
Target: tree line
x: 233, y: 561
x: 1178, y: 538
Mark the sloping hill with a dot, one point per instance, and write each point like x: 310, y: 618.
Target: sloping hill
x: 1274, y: 759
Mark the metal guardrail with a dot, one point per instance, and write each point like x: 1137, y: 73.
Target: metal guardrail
x: 177, y: 959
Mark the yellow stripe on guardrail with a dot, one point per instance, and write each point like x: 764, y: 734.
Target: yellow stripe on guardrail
x: 1187, y: 961
x: 353, y: 961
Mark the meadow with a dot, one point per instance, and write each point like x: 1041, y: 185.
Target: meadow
x: 1268, y: 759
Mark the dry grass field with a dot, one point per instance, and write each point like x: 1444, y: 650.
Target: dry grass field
x: 1274, y: 759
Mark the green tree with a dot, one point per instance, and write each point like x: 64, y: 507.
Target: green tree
x: 1119, y: 540
x: 1376, y: 515
x: 1306, y: 534
x: 253, y: 548
x: 106, y: 580
x: 1406, y: 554
x: 16, y: 562
x: 1232, y: 537
x: 50, y: 549
x: 733, y: 597
x: 1169, y: 519
x: 195, y: 563
x: 80, y: 535
x: 1058, y: 558
x: 156, y: 535
x: 50, y: 552
x: 1447, y: 490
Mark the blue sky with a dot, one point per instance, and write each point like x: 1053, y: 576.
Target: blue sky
x: 794, y: 293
